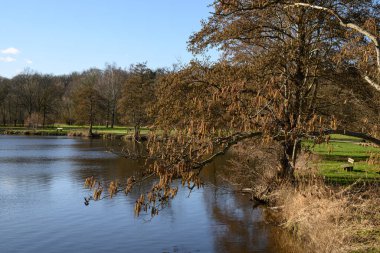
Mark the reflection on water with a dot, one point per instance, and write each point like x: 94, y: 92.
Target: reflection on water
x: 42, y: 210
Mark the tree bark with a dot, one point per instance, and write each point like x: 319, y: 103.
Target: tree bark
x: 287, y: 169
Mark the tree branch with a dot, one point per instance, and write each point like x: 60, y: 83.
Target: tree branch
x: 234, y: 141
x: 372, y: 83
x: 375, y: 40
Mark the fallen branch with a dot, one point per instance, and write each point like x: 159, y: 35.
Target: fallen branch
x: 233, y: 141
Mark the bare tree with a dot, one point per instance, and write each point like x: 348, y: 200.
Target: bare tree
x: 112, y: 82
x: 137, y: 96
x: 26, y: 85
x: 88, y: 101
x: 47, y: 97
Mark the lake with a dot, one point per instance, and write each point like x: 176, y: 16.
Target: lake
x: 42, y: 206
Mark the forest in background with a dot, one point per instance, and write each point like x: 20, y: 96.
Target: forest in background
x: 94, y: 97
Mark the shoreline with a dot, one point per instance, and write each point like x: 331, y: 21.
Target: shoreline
x: 95, y: 135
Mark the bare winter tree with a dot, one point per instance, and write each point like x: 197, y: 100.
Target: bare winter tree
x: 137, y: 96
x: 89, y: 103
x: 113, y: 80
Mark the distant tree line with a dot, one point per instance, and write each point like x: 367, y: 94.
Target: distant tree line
x: 106, y: 97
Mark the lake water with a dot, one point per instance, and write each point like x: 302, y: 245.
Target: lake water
x: 42, y: 209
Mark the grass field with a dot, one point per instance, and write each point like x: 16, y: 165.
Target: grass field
x: 336, y: 153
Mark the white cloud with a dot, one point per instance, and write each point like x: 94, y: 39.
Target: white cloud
x: 7, y: 59
x: 28, y: 61
x: 10, y: 50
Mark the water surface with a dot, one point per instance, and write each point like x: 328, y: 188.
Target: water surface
x: 42, y: 210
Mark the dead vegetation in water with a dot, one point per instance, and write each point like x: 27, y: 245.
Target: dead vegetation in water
x: 324, y: 218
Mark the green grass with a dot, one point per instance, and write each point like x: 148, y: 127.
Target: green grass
x: 339, y: 137
x: 98, y: 129
x: 336, y: 150
x: 333, y: 169
x: 335, y: 154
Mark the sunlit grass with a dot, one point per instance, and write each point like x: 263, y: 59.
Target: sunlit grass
x: 336, y: 153
x: 344, y: 137
x: 337, y: 150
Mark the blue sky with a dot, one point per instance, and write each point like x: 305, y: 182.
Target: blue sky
x: 58, y: 37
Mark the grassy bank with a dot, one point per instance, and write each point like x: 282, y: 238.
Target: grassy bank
x: 331, y: 209
x: 330, y: 158
x: 72, y: 130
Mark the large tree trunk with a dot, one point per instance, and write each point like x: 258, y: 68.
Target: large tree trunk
x: 291, y: 143
x: 287, y: 168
